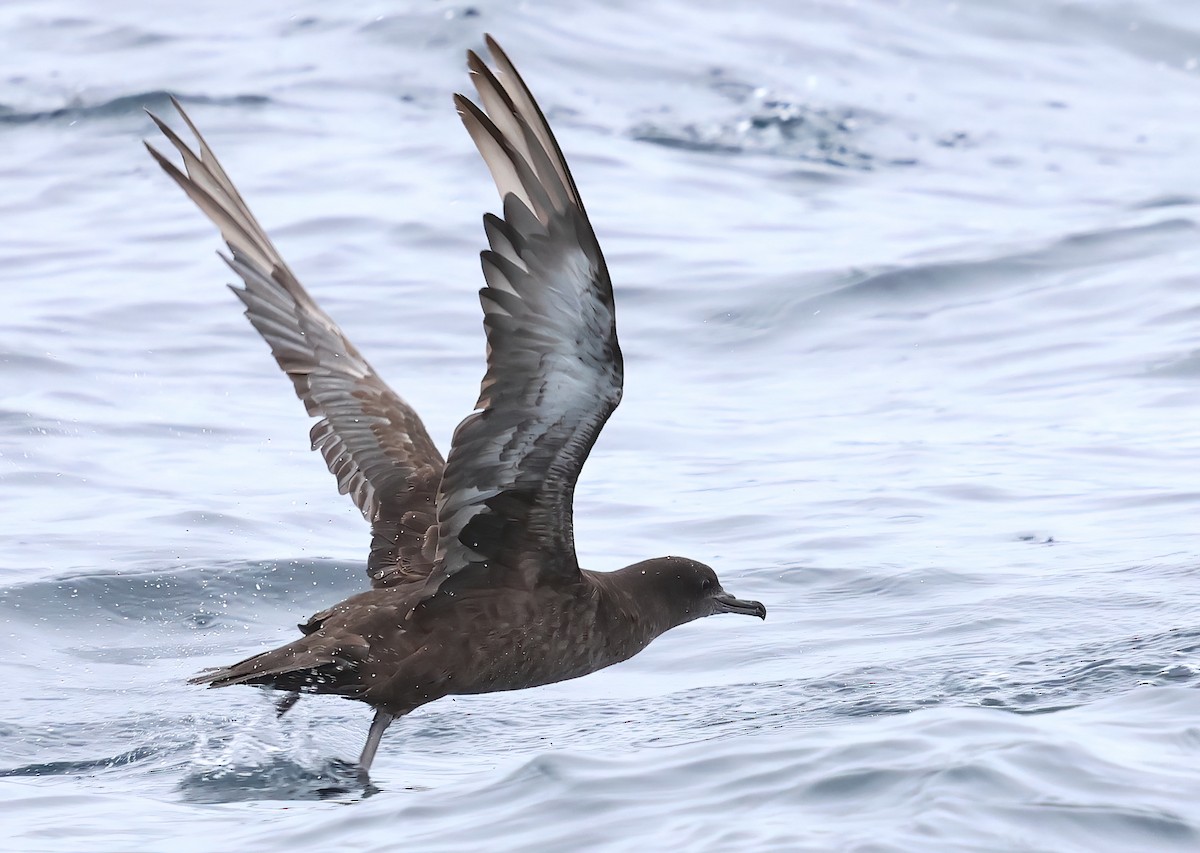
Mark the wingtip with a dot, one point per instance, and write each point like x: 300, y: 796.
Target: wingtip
x: 162, y: 125
x: 158, y: 156
x: 167, y: 166
x: 498, y: 53
x: 461, y: 104
x: 469, y: 111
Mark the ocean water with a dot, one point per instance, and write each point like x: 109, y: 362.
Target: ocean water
x: 909, y: 294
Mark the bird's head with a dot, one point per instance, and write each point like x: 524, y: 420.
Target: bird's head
x: 684, y: 590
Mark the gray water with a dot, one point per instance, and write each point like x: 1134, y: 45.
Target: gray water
x: 908, y: 294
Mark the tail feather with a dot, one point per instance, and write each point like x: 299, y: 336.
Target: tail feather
x: 310, y: 665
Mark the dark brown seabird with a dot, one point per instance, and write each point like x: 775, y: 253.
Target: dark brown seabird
x: 475, y: 583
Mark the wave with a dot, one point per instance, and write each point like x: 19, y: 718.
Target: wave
x: 193, y: 596
x: 120, y: 107
x: 994, y: 780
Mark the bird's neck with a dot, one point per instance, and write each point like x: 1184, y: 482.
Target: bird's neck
x: 626, y: 609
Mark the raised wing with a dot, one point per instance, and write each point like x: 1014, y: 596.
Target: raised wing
x: 554, y: 370
x: 372, y: 441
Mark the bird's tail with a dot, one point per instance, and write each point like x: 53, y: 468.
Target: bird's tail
x: 312, y: 664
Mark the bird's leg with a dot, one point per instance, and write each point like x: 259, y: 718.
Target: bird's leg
x: 285, y: 704
x: 378, y: 726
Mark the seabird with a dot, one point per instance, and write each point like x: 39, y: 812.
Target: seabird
x: 475, y: 586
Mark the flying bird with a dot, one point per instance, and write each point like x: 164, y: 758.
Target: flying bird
x: 475, y: 585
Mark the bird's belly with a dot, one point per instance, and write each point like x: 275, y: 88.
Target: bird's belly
x: 533, y: 657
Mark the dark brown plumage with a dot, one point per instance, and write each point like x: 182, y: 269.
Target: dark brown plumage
x: 475, y: 583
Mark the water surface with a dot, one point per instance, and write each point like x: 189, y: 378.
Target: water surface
x: 908, y: 299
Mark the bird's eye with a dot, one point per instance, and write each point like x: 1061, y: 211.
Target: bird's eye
x: 707, y: 585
